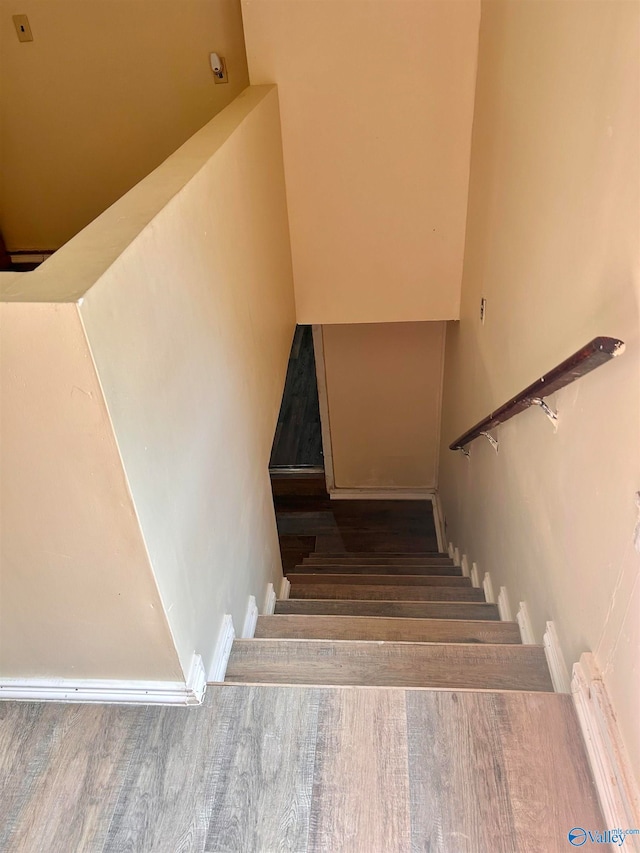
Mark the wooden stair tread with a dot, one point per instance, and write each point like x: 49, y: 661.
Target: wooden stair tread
x: 370, y: 568
x: 403, y: 609
x: 377, y: 579
x: 386, y: 592
x: 314, y: 559
x: 386, y: 628
x: 383, y: 554
x: 355, y: 662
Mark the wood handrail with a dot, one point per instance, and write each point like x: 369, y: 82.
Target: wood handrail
x: 592, y: 355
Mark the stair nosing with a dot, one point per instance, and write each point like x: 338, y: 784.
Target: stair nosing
x: 369, y: 618
x: 245, y: 640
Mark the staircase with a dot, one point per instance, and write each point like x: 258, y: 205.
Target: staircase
x: 387, y: 620
x: 408, y: 716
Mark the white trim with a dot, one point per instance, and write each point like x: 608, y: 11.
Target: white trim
x: 524, y: 623
x: 555, y: 660
x: 462, y: 563
x: 450, y: 550
x: 487, y: 586
x: 617, y: 790
x: 250, y: 619
x: 323, y: 399
x: 504, y: 607
x: 474, y: 574
x: 285, y: 589
x: 269, y: 600
x: 106, y: 690
x: 226, y: 636
x: 438, y: 521
x: 381, y: 494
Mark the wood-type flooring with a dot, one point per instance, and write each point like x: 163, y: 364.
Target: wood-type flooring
x: 259, y: 769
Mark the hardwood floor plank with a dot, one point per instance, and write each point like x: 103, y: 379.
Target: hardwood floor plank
x: 380, y: 628
x: 545, y: 739
x: 24, y: 747
x: 361, y: 791
x: 407, y: 609
x: 75, y: 777
x: 264, y: 760
x: 166, y: 796
x: 376, y: 579
x: 483, y: 777
x: 385, y: 592
x: 336, y: 662
x: 459, y: 796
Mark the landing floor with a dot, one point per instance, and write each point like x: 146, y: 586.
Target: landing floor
x: 298, y: 769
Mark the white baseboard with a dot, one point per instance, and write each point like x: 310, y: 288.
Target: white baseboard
x: 226, y: 636
x: 337, y: 494
x: 438, y: 521
x: 250, y: 620
x: 109, y: 691
x: 524, y: 623
x: 504, y: 607
x: 487, y: 586
x: 269, y: 600
x: 285, y: 589
x: 450, y: 550
x: 555, y: 660
x: 457, y: 561
x: 617, y: 789
x: 463, y: 563
x: 474, y: 574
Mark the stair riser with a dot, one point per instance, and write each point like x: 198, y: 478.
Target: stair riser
x: 375, y: 580
x: 401, y: 609
x: 376, y: 561
x: 387, y: 629
x: 386, y: 593
x: 310, y: 568
x: 389, y: 664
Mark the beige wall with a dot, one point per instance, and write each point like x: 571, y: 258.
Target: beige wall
x: 553, y: 245
x: 189, y: 324
x: 377, y: 104
x: 106, y: 90
x: 384, y: 385
x: 77, y: 594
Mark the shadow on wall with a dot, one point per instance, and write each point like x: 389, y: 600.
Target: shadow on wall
x: 100, y: 97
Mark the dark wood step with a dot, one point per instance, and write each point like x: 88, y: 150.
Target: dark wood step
x: 381, y: 628
x: 297, y: 578
x: 403, y: 609
x: 441, y: 665
x: 400, y: 560
x: 372, y: 569
x: 382, y: 555
x: 386, y: 592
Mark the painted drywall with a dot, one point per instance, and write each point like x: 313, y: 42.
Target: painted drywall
x: 383, y: 385
x: 77, y: 595
x: 553, y: 244
x: 104, y: 93
x: 143, y: 368
x: 190, y: 330
x: 377, y: 102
